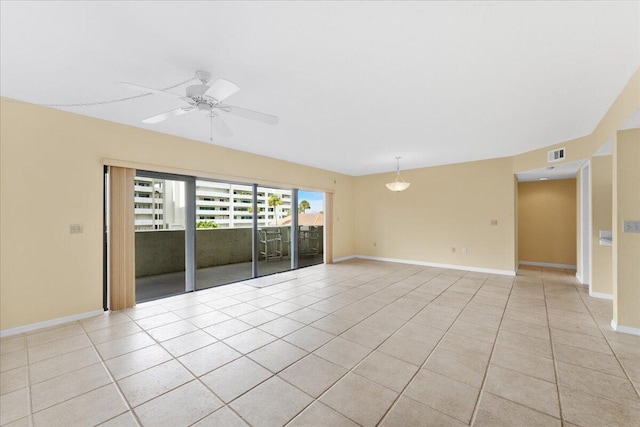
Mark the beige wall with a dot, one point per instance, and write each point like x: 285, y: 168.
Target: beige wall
x: 51, y: 177
x: 547, y: 221
x: 445, y: 207
x: 578, y: 227
x: 601, y: 211
x: 626, y: 246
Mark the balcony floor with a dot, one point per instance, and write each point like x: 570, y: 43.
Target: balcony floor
x: 153, y: 287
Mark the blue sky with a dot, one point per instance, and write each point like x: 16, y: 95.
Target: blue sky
x: 314, y: 199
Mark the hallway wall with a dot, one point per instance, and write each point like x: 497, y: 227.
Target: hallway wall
x: 547, y: 222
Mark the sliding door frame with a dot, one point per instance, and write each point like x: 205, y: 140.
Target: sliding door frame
x: 255, y: 249
x: 189, y: 219
x: 294, y: 250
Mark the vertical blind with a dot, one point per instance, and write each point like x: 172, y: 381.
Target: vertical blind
x: 328, y: 228
x: 122, y: 238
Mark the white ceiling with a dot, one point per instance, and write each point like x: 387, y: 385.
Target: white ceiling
x: 354, y: 84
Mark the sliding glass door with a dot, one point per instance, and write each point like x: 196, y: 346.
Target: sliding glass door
x: 274, y: 230
x: 160, y: 224
x: 310, y: 224
x: 193, y: 233
x: 224, y: 228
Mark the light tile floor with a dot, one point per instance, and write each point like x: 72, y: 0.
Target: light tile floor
x: 355, y: 343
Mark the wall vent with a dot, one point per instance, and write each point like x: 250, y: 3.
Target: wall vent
x: 556, y: 155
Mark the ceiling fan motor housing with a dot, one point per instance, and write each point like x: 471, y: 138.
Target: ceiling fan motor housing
x: 207, y: 98
x: 196, y: 90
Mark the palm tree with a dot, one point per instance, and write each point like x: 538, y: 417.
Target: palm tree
x: 206, y: 224
x: 274, y: 202
x: 303, y: 206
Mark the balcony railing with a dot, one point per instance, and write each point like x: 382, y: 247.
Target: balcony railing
x: 162, y: 251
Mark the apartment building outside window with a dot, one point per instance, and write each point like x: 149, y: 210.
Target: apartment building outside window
x: 159, y: 204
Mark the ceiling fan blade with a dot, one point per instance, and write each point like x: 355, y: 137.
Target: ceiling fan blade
x: 148, y: 89
x: 222, y: 89
x: 164, y: 116
x: 220, y: 127
x: 252, y: 115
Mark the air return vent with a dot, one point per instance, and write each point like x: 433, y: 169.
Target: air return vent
x: 556, y: 155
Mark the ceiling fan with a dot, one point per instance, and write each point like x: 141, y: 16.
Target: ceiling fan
x: 206, y: 98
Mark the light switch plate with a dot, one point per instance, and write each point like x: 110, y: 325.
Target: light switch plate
x: 631, y: 226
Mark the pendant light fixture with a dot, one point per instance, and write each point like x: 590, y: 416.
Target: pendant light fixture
x: 399, y: 184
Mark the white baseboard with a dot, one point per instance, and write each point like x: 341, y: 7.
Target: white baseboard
x: 435, y: 264
x: 600, y: 295
x: 48, y: 323
x: 344, y: 258
x: 579, y: 277
x: 549, y: 264
x: 625, y: 329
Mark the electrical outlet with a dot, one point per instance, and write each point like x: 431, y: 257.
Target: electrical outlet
x: 631, y: 226
x: 453, y: 250
x: 76, y: 229
x: 465, y: 251
x: 494, y: 222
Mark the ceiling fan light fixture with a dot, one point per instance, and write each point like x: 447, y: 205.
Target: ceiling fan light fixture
x: 398, y: 184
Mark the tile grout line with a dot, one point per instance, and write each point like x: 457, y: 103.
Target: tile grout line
x: 273, y: 375
x: 553, y: 354
x: 511, y: 369
x: 28, y: 369
x: 176, y: 359
x: 114, y: 382
x: 28, y: 373
x: 394, y: 403
x: 369, y: 353
x: 474, y: 414
x: 31, y: 412
x: 352, y: 369
x: 604, y: 336
x: 317, y: 399
x: 314, y: 399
